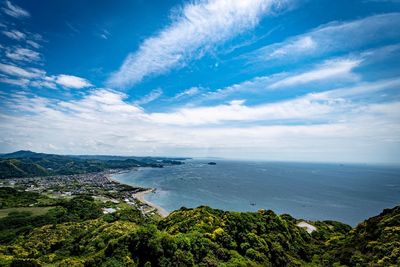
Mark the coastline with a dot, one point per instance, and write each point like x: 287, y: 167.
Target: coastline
x: 140, y: 196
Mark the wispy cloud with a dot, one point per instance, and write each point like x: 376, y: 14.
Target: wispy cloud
x: 359, y: 90
x: 21, y: 82
x: 20, y: 72
x: 303, y: 108
x: 188, y: 92
x: 34, y: 44
x: 153, y: 95
x: 44, y: 82
x: 328, y: 105
x: 32, y: 39
x: 18, y: 76
x: 23, y: 54
x: 197, y: 28
x: 14, y: 34
x: 72, y: 27
x: 327, y: 71
x: 14, y: 10
x: 104, y: 34
x: 334, y: 36
x: 302, y: 44
x: 322, y: 75
x: 330, y: 69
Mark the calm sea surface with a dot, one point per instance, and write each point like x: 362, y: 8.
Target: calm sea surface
x: 347, y: 193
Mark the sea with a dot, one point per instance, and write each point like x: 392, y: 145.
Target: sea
x: 347, y: 193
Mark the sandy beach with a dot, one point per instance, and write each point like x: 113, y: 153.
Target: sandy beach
x: 140, y: 196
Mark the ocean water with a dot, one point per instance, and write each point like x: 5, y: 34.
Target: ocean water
x: 346, y: 193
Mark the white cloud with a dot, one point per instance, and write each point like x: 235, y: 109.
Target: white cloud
x: 197, y: 28
x: 38, y: 78
x: 327, y: 105
x: 298, y: 45
x: 18, y: 82
x: 330, y: 69
x: 255, y: 84
x: 103, y: 122
x: 360, y: 89
x: 14, y: 10
x: 20, y: 72
x: 31, y: 39
x: 334, y: 36
x: 23, y: 54
x: 47, y: 82
x: 20, y: 76
x: 301, y: 108
x: 188, y: 92
x: 71, y: 81
x: 15, y: 34
x: 104, y: 34
x: 153, y: 95
x: 33, y: 44
x: 25, y: 77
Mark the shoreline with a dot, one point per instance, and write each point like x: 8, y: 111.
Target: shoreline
x: 140, y: 196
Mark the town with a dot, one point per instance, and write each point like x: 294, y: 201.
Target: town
x: 99, y: 185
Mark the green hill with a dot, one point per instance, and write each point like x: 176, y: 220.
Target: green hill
x: 30, y: 164
x: 21, y: 168
x: 374, y: 242
x: 76, y: 233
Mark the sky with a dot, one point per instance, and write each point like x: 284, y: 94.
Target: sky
x: 276, y: 80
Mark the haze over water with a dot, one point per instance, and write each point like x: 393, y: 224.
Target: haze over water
x: 346, y: 193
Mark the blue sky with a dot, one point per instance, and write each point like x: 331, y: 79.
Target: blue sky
x: 286, y: 80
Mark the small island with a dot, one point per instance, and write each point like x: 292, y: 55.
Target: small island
x: 212, y: 163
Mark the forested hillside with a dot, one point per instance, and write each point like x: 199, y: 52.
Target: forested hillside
x: 30, y: 164
x: 74, y: 232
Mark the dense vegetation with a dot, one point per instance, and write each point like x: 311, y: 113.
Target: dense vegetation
x: 30, y: 164
x: 374, y: 242
x: 76, y: 233
x: 10, y: 198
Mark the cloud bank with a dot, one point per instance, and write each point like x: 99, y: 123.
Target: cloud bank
x: 104, y: 122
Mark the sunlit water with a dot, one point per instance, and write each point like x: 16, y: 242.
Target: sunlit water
x: 347, y: 193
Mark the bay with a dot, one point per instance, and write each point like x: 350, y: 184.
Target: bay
x: 346, y: 193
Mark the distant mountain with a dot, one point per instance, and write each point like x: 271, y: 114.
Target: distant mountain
x: 110, y: 157
x: 21, y: 168
x: 28, y: 164
x: 31, y: 154
x: 23, y: 154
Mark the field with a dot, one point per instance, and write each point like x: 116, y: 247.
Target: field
x: 33, y: 210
